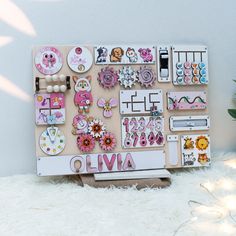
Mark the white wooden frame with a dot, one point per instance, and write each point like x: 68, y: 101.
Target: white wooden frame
x: 188, y: 123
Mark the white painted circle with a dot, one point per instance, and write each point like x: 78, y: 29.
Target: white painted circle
x: 48, y: 78
x: 56, y: 88
x: 48, y: 60
x: 63, y: 88
x: 49, y: 89
x: 80, y: 59
x: 62, y: 78
x: 55, y: 78
x: 49, y: 147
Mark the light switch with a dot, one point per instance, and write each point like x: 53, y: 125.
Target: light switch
x: 163, y: 75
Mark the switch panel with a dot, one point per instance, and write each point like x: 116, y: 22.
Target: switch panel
x: 163, y: 70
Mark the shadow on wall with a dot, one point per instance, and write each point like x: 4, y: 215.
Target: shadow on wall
x: 12, y: 15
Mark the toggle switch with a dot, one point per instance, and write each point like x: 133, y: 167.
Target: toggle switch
x: 163, y: 64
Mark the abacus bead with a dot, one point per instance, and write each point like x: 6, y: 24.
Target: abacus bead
x: 49, y: 88
x: 48, y: 78
x: 62, y: 77
x: 56, y: 88
x: 55, y: 78
x: 63, y: 88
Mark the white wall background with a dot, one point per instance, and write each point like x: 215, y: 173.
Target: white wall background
x: 24, y: 23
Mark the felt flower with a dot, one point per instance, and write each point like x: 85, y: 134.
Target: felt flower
x: 86, y: 142
x: 96, y: 128
x: 107, y: 106
x: 108, y: 142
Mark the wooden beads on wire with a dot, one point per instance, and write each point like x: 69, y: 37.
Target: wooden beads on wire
x: 55, y: 88
x: 55, y: 78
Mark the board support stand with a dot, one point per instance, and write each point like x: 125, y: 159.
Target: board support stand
x: 139, y: 179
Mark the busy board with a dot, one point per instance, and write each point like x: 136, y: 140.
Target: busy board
x: 119, y: 108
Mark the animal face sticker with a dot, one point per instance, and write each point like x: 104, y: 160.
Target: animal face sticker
x: 195, y: 150
x: 116, y: 54
x: 83, y: 96
x: 202, y: 143
x: 48, y: 60
x: 203, y: 158
x: 50, y: 108
x: 145, y: 54
x: 132, y: 55
x: 123, y: 54
x: 189, y: 144
x: 102, y: 54
x: 189, y: 159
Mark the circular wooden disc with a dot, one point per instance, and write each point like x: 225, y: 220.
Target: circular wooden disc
x: 80, y: 59
x: 48, y: 60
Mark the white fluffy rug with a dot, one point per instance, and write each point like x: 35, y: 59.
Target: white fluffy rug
x: 34, y: 206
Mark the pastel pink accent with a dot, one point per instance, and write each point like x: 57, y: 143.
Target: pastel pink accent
x: 119, y: 161
x: 113, y: 102
x: 57, y: 100
x: 129, y: 163
x: 107, y: 114
x: 110, y: 163
x: 188, y: 100
x: 143, y: 140
x: 107, y: 106
x: 101, y: 102
x: 145, y: 54
x: 83, y: 98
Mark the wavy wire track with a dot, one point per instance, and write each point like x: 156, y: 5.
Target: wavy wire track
x: 187, y: 100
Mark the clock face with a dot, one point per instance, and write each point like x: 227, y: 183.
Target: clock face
x: 52, y: 141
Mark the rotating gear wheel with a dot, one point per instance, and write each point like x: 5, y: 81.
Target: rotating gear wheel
x: 146, y: 76
x: 108, y: 78
x: 127, y: 76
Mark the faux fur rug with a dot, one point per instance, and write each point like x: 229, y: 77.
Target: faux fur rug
x: 34, y: 206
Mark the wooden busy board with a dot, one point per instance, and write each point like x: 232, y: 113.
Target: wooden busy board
x: 120, y: 108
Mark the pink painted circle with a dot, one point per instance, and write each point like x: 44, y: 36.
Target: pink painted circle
x: 48, y: 60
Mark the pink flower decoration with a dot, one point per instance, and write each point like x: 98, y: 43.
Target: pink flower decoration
x: 107, y: 106
x: 108, y: 142
x: 86, y: 143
